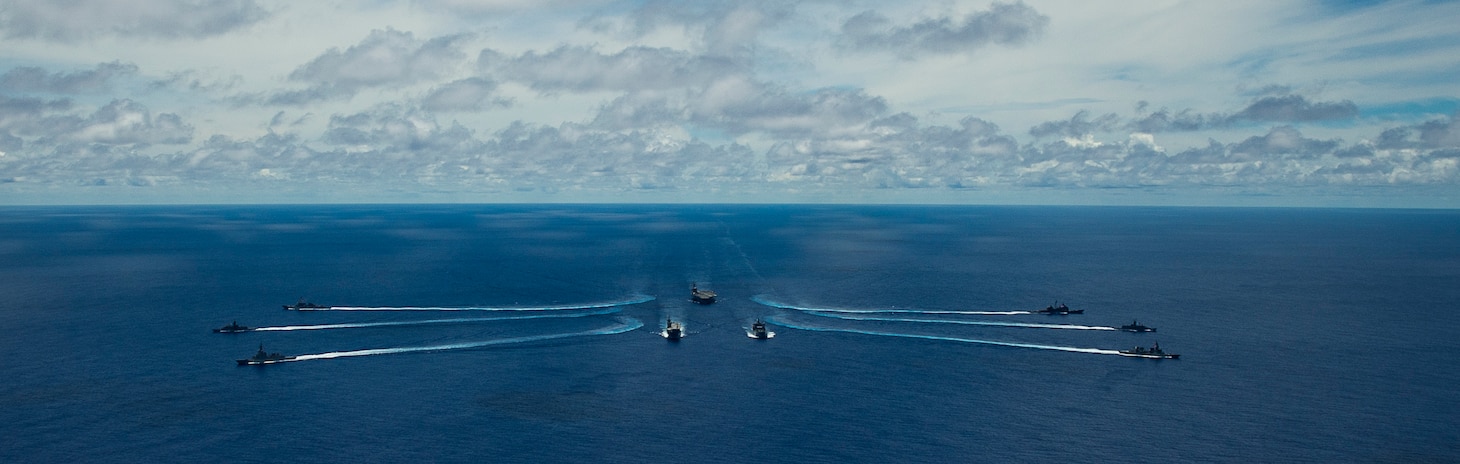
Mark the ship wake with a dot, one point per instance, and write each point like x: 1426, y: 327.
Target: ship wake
x: 625, y: 324
x: 815, y: 328
x: 945, y: 321
x: 460, y: 320
x: 775, y: 304
x: 607, y: 304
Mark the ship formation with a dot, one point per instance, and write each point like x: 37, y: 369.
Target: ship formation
x: 674, y: 330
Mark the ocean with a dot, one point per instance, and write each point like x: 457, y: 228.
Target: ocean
x: 530, y: 333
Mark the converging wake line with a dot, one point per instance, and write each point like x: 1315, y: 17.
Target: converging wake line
x: 641, y: 299
x: 358, y: 325
x: 625, y: 324
x: 937, y: 321
x: 1072, y: 349
x: 762, y: 300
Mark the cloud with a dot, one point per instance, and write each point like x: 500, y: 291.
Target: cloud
x: 1295, y: 108
x: 123, y: 122
x: 383, y: 58
x: 574, y: 156
x: 471, y: 94
x: 77, y: 20
x: 1272, y: 105
x: 724, y: 28
x: 666, y: 86
x: 1433, y: 134
x: 742, y: 105
x: 405, y: 143
x: 33, y: 79
x: 582, y: 69
x: 10, y: 143
x: 392, y: 145
x: 1183, y: 121
x: 42, y: 135
x: 898, y: 152
x: 1077, y: 126
x: 26, y: 112
x: 1282, y: 140
x: 739, y: 105
x: 1280, y: 143
x: 52, y: 145
x: 1003, y: 24
x: 479, y: 8
x: 193, y: 80
x: 397, y: 131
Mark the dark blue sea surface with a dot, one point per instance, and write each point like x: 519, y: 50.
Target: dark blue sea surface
x: 1306, y: 335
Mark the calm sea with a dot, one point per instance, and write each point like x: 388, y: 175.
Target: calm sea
x: 530, y: 334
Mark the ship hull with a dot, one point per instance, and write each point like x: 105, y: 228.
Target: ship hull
x: 1150, y: 356
x: 257, y: 362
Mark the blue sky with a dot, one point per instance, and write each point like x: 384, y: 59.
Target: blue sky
x: 1036, y: 102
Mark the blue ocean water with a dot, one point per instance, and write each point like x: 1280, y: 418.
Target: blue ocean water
x: 1306, y: 335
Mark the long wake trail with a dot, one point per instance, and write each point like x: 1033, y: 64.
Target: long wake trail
x: 359, y: 325
x: 608, y: 304
x: 1072, y: 349
x: 774, y: 304
x: 625, y: 324
x: 936, y: 321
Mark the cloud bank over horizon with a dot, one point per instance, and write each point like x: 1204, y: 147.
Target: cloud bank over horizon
x: 968, y: 102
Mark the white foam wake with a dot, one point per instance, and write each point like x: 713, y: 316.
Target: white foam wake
x: 774, y: 304
x: 358, y: 325
x: 1072, y: 349
x: 625, y: 324
x: 942, y: 321
x: 632, y: 301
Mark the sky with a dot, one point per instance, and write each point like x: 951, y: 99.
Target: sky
x: 1243, y: 103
